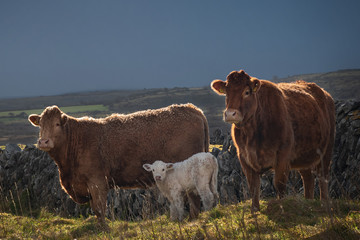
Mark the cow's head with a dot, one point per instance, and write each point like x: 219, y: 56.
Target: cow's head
x: 51, y: 123
x: 240, y: 90
x: 158, y: 169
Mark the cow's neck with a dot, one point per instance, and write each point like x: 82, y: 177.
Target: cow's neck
x: 62, y: 158
x: 246, y: 124
x: 262, y: 125
x: 66, y: 155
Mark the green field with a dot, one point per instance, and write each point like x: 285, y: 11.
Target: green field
x: 70, y: 109
x: 15, y: 127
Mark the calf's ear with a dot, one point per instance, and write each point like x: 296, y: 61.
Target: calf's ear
x: 218, y: 86
x: 256, y: 84
x: 34, y: 119
x: 147, y: 167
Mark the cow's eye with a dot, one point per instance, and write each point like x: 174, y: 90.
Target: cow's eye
x: 163, y: 169
x: 247, y: 93
x: 58, y: 124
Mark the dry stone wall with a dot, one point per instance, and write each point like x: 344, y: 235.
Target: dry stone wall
x: 29, y: 178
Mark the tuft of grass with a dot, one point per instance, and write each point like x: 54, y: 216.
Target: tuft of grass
x: 290, y: 218
x: 215, y: 146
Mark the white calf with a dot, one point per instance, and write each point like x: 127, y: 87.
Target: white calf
x: 197, y: 173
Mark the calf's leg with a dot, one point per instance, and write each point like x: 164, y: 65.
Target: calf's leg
x: 207, y: 197
x: 195, y: 204
x: 173, y: 212
x: 177, y: 206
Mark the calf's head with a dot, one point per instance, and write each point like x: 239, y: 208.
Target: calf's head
x: 240, y: 90
x: 158, y: 169
x: 51, y: 123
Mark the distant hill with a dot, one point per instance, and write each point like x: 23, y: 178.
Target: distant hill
x: 342, y: 84
x: 14, y: 127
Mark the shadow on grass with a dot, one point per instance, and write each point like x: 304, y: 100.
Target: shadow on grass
x: 337, y: 232
x: 295, y: 210
x: 91, y: 226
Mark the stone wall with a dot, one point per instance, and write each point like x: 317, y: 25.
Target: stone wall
x: 345, y: 168
x: 29, y: 178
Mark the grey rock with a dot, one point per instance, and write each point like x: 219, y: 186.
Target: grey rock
x: 11, y: 149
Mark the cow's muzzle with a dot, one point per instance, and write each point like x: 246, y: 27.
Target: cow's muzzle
x: 232, y: 116
x: 157, y: 178
x: 45, y: 144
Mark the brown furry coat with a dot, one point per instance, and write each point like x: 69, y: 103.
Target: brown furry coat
x: 281, y: 127
x: 95, y: 154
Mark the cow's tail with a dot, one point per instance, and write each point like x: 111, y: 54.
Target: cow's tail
x: 214, y: 181
x: 206, y: 135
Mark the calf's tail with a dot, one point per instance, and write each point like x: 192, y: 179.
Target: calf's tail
x: 214, y: 182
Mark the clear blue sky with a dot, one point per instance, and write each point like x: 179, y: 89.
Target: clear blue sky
x: 54, y: 47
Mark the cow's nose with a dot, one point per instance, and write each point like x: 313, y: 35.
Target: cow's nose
x: 43, y: 141
x: 232, y: 116
x: 157, y: 178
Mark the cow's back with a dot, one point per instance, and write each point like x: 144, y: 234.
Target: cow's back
x: 312, y: 112
x: 129, y: 141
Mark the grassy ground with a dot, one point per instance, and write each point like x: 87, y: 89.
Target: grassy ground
x: 289, y: 218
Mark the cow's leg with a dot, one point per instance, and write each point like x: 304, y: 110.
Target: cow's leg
x: 254, y: 185
x: 324, y: 190
x: 195, y: 204
x: 308, y: 182
x: 282, y: 170
x: 253, y: 180
x: 323, y: 173
x: 98, y: 194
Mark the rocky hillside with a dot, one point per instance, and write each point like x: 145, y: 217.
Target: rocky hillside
x: 29, y: 178
x: 342, y: 84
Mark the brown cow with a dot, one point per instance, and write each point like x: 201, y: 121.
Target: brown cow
x: 93, y: 155
x: 281, y: 127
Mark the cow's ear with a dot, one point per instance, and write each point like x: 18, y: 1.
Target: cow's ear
x: 256, y: 84
x: 34, y: 119
x: 218, y: 86
x: 64, y: 119
x: 147, y: 167
x: 169, y: 166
